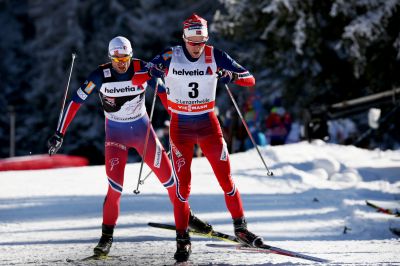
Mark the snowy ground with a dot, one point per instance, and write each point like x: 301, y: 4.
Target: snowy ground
x: 49, y: 216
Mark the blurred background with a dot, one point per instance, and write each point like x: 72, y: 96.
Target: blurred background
x: 324, y: 69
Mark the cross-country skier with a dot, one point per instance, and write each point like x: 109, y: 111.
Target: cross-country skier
x: 126, y: 123
x: 190, y: 73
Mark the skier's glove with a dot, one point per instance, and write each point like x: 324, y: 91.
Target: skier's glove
x: 226, y: 76
x: 54, y: 143
x: 156, y: 72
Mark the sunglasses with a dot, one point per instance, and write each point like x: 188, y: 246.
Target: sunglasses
x: 191, y: 43
x: 121, y: 59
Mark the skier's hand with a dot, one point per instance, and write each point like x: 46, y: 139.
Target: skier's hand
x: 226, y: 76
x: 54, y: 143
x: 156, y: 71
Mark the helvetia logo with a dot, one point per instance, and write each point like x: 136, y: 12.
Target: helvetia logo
x: 119, y: 90
x: 183, y: 72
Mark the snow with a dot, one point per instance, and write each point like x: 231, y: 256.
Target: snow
x: 317, y: 190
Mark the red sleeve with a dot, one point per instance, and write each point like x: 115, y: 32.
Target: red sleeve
x: 68, y: 116
x: 139, y: 78
x: 164, y: 100
x: 248, y: 81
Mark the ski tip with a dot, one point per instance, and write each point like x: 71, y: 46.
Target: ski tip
x: 317, y: 259
x: 153, y: 224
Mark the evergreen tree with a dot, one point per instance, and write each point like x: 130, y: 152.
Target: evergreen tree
x: 12, y: 68
x: 316, y: 52
x: 41, y: 36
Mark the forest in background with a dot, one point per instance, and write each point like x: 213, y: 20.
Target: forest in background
x: 309, y: 53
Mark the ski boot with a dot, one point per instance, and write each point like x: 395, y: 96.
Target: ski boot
x: 199, y: 225
x: 105, y: 242
x: 245, y: 236
x: 183, y: 247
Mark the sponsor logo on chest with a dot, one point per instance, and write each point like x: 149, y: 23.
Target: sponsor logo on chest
x: 195, y: 72
x: 123, y: 88
x: 120, y: 90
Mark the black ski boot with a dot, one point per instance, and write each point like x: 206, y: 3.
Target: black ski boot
x: 245, y: 236
x: 183, y: 247
x: 199, y: 225
x: 105, y: 242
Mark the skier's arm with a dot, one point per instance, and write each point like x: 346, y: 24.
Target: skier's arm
x: 78, y: 98
x: 240, y: 75
x: 157, y: 67
x: 91, y: 85
x: 161, y: 92
x: 54, y: 143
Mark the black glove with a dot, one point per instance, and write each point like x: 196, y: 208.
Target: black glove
x: 54, y: 143
x: 226, y: 76
x: 157, y: 72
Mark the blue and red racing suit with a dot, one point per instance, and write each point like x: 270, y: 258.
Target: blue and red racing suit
x: 190, y: 98
x: 126, y: 123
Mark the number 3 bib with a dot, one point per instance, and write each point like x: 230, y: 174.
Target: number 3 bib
x: 191, y: 85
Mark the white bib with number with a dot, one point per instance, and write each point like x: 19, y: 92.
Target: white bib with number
x: 191, y: 85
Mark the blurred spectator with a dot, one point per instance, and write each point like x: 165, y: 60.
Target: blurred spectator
x: 278, y: 124
x: 294, y: 134
x: 258, y: 137
x: 252, y: 119
x: 233, y: 130
x: 235, y: 133
x: 342, y: 131
x: 253, y: 109
x: 253, y: 115
x: 250, y: 115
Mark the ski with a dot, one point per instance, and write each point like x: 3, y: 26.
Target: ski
x: 395, y: 212
x: 268, y: 249
x: 212, y: 234
x: 238, y: 246
x: 90, y: 258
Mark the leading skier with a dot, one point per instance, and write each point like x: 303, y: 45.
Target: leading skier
x: 190, y: 73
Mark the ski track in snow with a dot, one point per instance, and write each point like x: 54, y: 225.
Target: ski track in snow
x: 317, y: 190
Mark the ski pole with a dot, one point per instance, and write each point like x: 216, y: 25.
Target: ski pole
x: 151, y: 171
x: 66, y: 91
x: 270, y: 173
x: 136, y: 191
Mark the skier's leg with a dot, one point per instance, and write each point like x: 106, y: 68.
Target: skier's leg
x: 215, y: 150
x: 116, y: 156
x: 182, y: 140
x: 181, y: 156
x: 217, y: 154
x: 157, y: 159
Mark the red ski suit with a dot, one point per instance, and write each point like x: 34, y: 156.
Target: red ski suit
x: 190, y: 98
